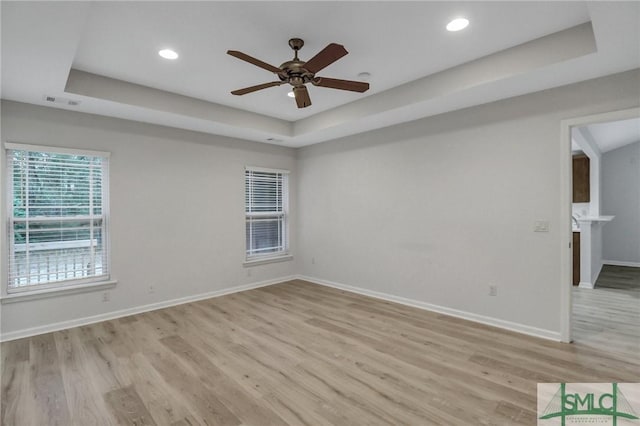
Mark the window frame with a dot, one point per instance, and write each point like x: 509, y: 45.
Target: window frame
x: 65, y: 284
x: 252, y: 259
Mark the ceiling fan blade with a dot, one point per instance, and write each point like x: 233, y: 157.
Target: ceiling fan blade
x: 333, y: 83
x: 302, y: 96
x: 254, y: 61
x: 325, y: 57
x: 255, y: 88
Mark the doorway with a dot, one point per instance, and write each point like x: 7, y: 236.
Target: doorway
x: 586, y: 219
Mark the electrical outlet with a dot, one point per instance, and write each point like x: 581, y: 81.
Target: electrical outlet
x: 313, y: 260
x: 151, y: 289
x: 493, y: 290
x: 248, y: 272
x: 106, y: 296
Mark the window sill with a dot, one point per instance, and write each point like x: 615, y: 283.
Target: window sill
x: 265, y: 260
x: 57, y: 291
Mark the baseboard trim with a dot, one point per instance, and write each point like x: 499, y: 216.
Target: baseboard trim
x: 621, y: 263
x: 63, y: 325
x: 482, y: 319
x: 584, y: 284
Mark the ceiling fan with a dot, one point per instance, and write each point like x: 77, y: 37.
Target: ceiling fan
x: 298, y: 73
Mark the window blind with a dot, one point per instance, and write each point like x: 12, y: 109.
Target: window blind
x: 57, y: 220
x: 266, y: 210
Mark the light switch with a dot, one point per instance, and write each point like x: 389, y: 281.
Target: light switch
x: 541, y: 226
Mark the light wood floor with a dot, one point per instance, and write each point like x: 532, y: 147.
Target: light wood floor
x: 293, y: 353
x: 608, y: 316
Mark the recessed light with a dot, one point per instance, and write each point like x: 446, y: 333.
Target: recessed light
x: 291, y: 95
x: 168, y: 54
x: 457, y: 24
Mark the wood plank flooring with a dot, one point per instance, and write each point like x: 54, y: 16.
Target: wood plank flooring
x: 619, y: 278
x: 608, y: 316
x: 293, y: 353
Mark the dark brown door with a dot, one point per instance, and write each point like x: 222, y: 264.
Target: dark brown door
x: 581, y: 185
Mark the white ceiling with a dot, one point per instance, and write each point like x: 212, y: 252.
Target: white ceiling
x: 104, y: 54
x: 615, y: 134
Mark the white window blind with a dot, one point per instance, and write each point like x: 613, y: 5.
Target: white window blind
x: 266, y: 211
x: 57, y: 219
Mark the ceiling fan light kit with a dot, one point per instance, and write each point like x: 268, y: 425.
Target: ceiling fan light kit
x: 297, y: 73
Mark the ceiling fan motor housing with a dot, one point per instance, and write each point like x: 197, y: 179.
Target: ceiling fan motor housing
x: 294, y: 73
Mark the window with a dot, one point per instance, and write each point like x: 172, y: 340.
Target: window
x: 266, y: 212
x: 57, y: 218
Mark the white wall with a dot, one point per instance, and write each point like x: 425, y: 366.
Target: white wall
x: 581, y: 209
x: 433, y: 210
x: 621, y: 197
x: 596, y: 250
x: 439, y: 209
x: 177, y: 210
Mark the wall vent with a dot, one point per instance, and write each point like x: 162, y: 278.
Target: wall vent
x: 60, y: 100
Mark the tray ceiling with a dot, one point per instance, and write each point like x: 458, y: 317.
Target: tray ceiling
x: 104, y: 56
